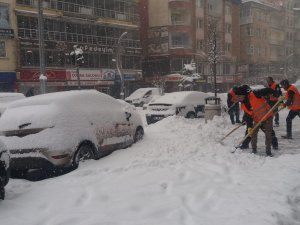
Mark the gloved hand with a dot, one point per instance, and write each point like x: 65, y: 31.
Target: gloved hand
x: 281, y: 106
x: 250, y: 131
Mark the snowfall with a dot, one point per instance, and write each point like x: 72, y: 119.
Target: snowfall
x: 179, y: 174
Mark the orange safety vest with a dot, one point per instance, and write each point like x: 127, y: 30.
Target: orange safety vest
x: 272, y: 98
x: 296, y: 100
x: 234, y: 98
x: 260, y: 108
x: 244, y: 108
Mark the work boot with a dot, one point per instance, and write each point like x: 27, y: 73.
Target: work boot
x: 287, y: 137
x: 254, y: 151
x: 238, y: 121
x: 275, y: 147
x: 269, y: 153
x: 244, y: 147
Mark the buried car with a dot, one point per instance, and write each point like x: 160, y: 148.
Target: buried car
x: 4, y: 169
x: 189, y: 104
x: 61, y: 129
x: 142, y: 96
x: 8, y: 97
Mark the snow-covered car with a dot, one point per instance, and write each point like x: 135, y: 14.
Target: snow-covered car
x: 142, y: 96
x: 60, y: 129
x: 8, y: 97
x: 189, y: 104
x: 4, y: 169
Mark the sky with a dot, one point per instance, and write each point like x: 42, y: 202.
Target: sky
x: 179, y: 174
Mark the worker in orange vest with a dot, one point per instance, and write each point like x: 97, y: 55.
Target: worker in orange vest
x: 233, y: 106
x: 274, y: 98
x: 255, y: 105
x: 292, y: 98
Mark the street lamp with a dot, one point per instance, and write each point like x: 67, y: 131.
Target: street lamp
x: 43, y: 75
x: 122, y: 95
x: 78, y: 59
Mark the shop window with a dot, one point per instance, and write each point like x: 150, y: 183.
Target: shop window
x: 2, y: 49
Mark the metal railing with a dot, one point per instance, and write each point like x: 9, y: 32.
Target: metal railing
x: 76, y: 38
x: 84, y: 10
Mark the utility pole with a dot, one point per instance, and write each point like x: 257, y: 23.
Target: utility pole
x: 43, y: 75
x: 122, y: 94
x: 78, y: 60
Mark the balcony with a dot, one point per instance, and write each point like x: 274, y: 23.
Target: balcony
x: 246, y: 20
x: 174, y: 4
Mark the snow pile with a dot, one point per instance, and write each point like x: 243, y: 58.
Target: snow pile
x: 178, y: 174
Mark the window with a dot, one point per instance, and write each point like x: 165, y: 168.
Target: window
x: 228, y: 28
x: 250, y: 50
x: 226, y: 68
x: 200, y: 44
x: 199, y: 3
x: 249, y: 31
x: 2, y: 49
x: 228, y: 9
x: 228, y: 47
x: 199, y: 23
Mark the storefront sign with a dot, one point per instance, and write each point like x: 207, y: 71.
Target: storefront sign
x: 225, y: 79
x: 90, y: 83
x: 104, y: 74
x: 6, y: 33
x: 5, y: 28
x: 33, y: 74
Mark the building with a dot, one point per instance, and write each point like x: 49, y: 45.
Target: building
x: 95, y: 26
x: 268, y: 40
x: 8, y: 56
x: 175, y: 32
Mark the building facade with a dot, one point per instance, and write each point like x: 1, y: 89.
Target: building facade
x: 95, y: 26
x: 268, y: 40
x: 8, y: 57
x: 176, y: 33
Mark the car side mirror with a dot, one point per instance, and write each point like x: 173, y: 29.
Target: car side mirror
x: 128, y: 115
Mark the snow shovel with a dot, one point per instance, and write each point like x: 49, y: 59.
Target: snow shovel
x: 259, y: 122
x: 230, y: 132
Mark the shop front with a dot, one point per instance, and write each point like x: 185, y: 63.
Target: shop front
x: 64, y: 80
x: 8, y: 81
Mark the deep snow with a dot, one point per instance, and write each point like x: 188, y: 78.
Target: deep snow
x: 179, y: 174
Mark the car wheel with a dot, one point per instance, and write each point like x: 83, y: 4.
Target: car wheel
x: 191, y: 115
x: 2, y: 191
x: 84, y: 152
x: 139, y: 133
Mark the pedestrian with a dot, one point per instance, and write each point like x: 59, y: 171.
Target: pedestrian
x: 30, y: 92
x: 274, y: 98
x: 255, y: 105
x: 292, y: 101
x: 233, y: 106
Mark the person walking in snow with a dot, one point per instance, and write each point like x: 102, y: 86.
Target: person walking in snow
x: 292, y: 98
x: 274, y: 98
x: 255, y: 105
x: 233, y: 106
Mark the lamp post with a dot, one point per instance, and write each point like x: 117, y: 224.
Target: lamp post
x: 122, y: 95
x: 43, y: 75
x: 78, y: 59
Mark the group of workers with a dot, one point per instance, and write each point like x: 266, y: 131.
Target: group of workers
x: 260, y: 106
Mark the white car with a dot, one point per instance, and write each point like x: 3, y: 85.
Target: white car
x: 8, y: 97
x: 142, y: 96
x: 189, y: 104
x: 60, y: 129
x: 4, y: 169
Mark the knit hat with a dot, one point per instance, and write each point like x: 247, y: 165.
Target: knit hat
x: 284, y: 82
x: 242, y: 90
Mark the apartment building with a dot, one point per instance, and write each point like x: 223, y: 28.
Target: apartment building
x: 95, y: 26
x: 175, y: 32
x: 267, y: 39
x: 8, y: 57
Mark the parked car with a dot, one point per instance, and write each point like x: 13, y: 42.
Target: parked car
x: 142, y: 96
x: 8, y: 97
x: 61, y: 129
x: 189, y: 104
x: 4, y: 169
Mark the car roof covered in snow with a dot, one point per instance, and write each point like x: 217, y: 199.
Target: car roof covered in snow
x: 181, y: 96
x: 140, y: 93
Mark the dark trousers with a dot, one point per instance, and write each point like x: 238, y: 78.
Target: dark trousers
x: 248, y: 139
x: 235, y: 111
x: 289, y: 119
x: 276, y: 113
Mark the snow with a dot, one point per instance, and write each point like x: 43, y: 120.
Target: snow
x: 179, y: 174
x: 7, y: 97
x: 139, y: 93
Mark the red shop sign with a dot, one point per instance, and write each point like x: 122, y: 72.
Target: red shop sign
x: 33, y: 75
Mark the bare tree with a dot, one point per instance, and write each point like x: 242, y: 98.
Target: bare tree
x: 160, y: 82
x: 214, y: 49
